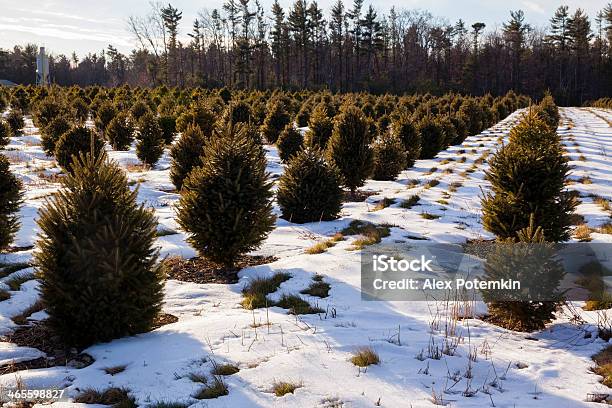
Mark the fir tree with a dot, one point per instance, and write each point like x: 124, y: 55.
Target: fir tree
x: 139, y: 109
x: 120, y: 132
x: 80, y: 109
x: 5, y: 133
x: 549, y: 112
x: 96, y: 257
x: 15, y: 121
x: 226, y: 204
x: 186, y: 154
x: 289, y: 142
x: 472, y: 114
x: 46, y: 110
x: 309, y: 189
x: 527, y: 177
x: 72, y: 143
x: 349, y: 147
x: 10, y: 200
x: 150, y: 145
x: 389, y: 157
x: 404, y: 129
x: 237, y: 112
x: 275, y: 121
x: 320, y: 127
x: 51, y: 133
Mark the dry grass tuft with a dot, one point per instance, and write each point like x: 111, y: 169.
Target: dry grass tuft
x: 115, y: 370
x: 605, y: 228
x: 432, y: 183
x: 217, y: 388
x: 317, y: 288
x: 429, y: 216
x: 583, y: 233
x: 602, y: 202
x: 297, y: 306
x: 384, y: 203
x: 410, y: 202
x: 256, y: 291
x: 365, y: 356
x: 117, y: 397
x: 603, y: 359
x: 224, y: 369
x: 281, y: 388
x: 370, y: 234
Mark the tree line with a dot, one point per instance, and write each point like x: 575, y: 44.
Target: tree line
x: 351, y: 48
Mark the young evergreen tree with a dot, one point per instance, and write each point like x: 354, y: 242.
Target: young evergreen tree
x: 549, y: 112
x: 527, y: 179
x: 237, y: 112
x: 167, y: 123
x: 120, y: 132
x: 289, y: 142
x: 349, y: 147
x: 10, y: 200
x: 96, y: 256
x: 309, y: 189
x: 199, y: 115
x: 389, y: 157
x: 5, y: 133
x: 432, y: 137
x: 150, y: 145
x: 50, y: 134
x: 45, y: 111
x: 225, y: 205
x: 277, y: 118
x: 320, y: 127
x: 72, y: 143
x: 104, y: 114
x: 404, y: 129
x: 472, y: 114
x: 186, y: 154
x: 15, y: 121
x: 139, y: 109
x: 531, y: 260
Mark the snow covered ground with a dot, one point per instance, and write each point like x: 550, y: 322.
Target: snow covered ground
x: 490, y: 366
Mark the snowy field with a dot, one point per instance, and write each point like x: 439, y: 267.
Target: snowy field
x: 486, y: 365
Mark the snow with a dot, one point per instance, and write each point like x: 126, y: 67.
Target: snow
x: 546, y: 369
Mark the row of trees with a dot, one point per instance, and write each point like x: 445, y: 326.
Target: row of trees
x: 352, y: 48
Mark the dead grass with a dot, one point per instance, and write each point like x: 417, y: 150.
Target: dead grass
x: 8, y: 268
x: 384, y: 203
x: 297, y: 306
x: 317, y: 288
x: 605, y: 228
x: 412, y: 183
x: 217, y: 388
x: 323, y: 246
x: 585, y: 180
x: 603, y: 359
x: 116, y: 397
x: 410, y: 202
x: 432, y: 183
x: 442, y: 201
x: 370, y: 234
x: 14, y: 282
x: 281, y: 388
x: 365, y: 356
x: 115, y: 369
x: 22, y: 318
x: 583, y: 233
x: 224, y: 369
x: 4, y: 295
x: 454, y: 186
x: 431, y: 171
x: 429, y: 216
x: 256, y: 292
x: 602, y: 202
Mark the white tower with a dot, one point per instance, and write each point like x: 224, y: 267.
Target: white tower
x: 42, y: 68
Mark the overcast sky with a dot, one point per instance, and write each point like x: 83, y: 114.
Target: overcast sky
x: 83, y: 26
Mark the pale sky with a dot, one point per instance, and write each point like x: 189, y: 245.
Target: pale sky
x: 85, y: 26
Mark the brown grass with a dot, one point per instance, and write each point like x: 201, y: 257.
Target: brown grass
x: 255, y: 293
x: 603, y: 359
x: 364, y: 357
x: 583, y: 233
x: 115, y: 369
x: 281, y: 388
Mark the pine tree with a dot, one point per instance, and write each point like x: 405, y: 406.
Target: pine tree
x: 529, y: 259
x: 225, y: 204
x: 72, y: 143
x: 472, y: 115
x: 46, y: 110
x: 150, y: 145
x: 10, y: 200
x: 549, y: 112
x: 167, y: 123
x: 199, y: 115
x: 389, y: 157
x: 309, y: 189
x: 104, y: 114
x: 275, y: 121
x: 349, y: 147
x: 120, y: 132
x: 139, y: 109
x: 404, y: 129
x: 320, y: 127
x: 15, y: 121
x: 289, y: 142
x: 527, y: 179
x: 186, y: 154
x: 96, y: 256
x: 51, y: 133
x: 237, y: 112
x: 432, y: 137
x: 5, y: 133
